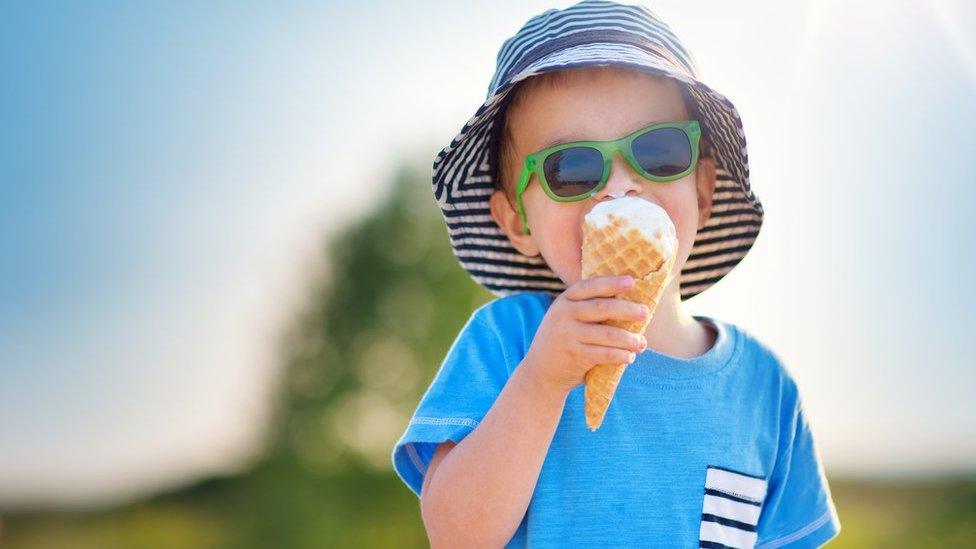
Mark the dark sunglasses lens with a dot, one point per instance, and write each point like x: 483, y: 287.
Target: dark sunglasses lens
x: 573, y: 171
x: 663, y: 152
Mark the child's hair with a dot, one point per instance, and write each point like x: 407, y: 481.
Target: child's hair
x: 503, y: 180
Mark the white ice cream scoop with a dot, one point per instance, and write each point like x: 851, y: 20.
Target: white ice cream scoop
x: 644, y: 215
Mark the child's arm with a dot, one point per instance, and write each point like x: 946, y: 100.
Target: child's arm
x: 476, y: 493
x: 483, y: 485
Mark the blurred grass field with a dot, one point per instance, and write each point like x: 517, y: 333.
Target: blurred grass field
x: 353, y: 367
x: 935, y: 513
x: 274, y: 508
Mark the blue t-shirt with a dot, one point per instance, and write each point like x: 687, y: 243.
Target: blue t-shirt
x: 713, y: 451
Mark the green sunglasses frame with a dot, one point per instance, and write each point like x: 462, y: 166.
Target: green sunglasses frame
x: 535, y: 162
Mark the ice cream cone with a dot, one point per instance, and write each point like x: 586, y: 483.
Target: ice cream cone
x: 625, y: 236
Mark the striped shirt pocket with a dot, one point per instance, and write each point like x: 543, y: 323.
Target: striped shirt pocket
x: 731, y: 509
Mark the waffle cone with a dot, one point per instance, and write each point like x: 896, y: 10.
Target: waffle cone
x: 617, y: 249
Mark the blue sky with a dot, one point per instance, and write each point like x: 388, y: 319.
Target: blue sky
x: 170, y: 170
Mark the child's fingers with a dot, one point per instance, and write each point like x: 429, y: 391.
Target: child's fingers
x: 611, y: 336
x: 598, y: 354
x: 606, y: 308
x: 600, y: 286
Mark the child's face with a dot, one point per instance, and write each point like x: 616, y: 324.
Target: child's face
x: 607, y: 104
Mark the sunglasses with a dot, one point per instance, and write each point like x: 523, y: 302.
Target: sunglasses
x: 576, y: 171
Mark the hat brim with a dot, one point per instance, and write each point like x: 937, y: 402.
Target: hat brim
x: 463, y: 184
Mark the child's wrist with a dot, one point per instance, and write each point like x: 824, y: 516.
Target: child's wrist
x: 539, y: 382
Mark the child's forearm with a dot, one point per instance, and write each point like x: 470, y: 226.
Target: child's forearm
x: 482, y: 487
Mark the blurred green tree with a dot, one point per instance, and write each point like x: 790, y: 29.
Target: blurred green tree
x: 375, y: 329
x: 377, y: 322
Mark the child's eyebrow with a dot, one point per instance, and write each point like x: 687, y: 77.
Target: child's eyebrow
x: 576, y: 135
x: 572, y: 136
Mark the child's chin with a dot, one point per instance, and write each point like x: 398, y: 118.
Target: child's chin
x: 571, y: 278
x: 568, y: 269
x: 570, y: 281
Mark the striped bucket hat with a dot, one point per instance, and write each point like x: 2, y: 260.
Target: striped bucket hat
x: 591, y: 32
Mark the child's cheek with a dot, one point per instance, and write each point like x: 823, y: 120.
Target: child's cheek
x: 684, y: 215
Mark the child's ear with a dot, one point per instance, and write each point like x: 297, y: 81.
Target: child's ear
x: 705, y: 175
x: 508, y: 219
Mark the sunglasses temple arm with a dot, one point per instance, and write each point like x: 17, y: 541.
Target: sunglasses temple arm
x: 522, y: 184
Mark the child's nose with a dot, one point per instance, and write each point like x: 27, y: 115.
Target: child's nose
x: 623, y: 180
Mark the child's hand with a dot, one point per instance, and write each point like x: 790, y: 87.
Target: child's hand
x: 570, y: 340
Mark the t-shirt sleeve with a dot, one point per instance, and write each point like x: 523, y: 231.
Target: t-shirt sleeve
x: 799, y: 511
x: 473, y: 373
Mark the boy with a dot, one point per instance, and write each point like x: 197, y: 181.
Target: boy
x: 705, y: 443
